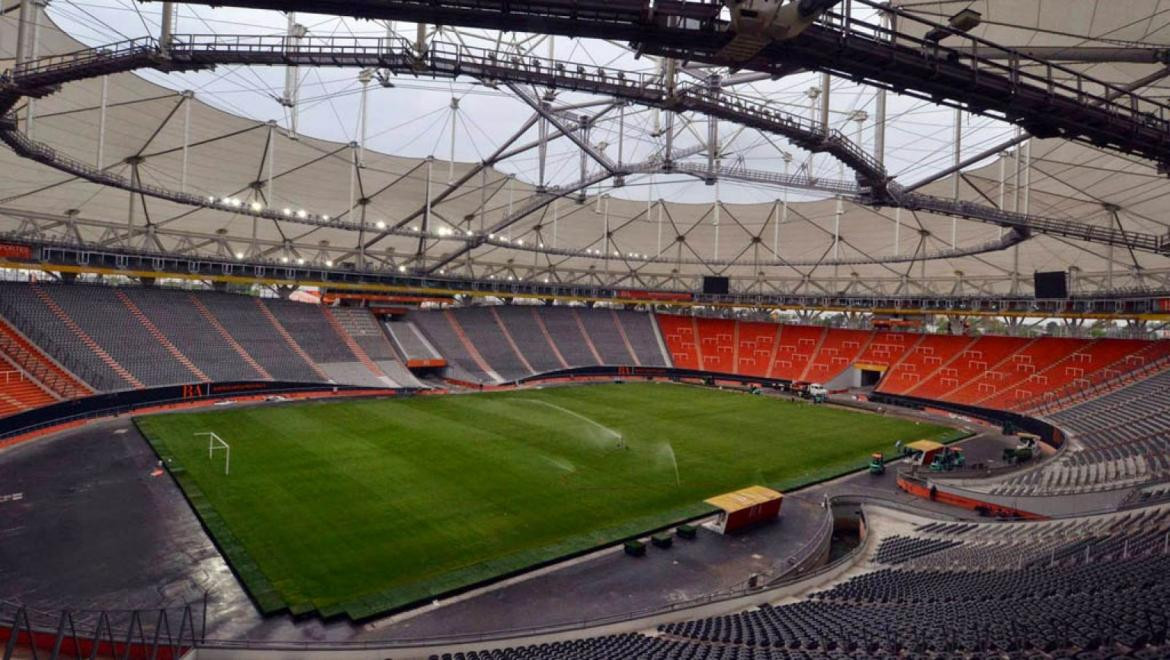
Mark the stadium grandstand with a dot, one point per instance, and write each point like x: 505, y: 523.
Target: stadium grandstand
x: 584, y: 330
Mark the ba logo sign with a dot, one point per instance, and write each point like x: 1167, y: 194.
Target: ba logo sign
x: 192, y: 391
x: 625, y: 371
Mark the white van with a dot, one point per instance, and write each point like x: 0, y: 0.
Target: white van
x: 817, y: 391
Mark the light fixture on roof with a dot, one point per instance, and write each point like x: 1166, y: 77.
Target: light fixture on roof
x: 257, y: 207
x: 326, y: 218
x: 380, y: 224
x: 288, y: 211
x: 963, y: 22
x: 402, y: 269
x: 284, y: 260
x: 302, y: 214
x: 239, y: 255
x: 329, y: 263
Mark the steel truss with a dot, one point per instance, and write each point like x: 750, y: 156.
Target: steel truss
x: 1047, y: 99
x: 899, y: 295
x: 189, y: 52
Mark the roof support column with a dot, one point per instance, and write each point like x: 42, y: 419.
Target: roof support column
x: 583, y: 123
x: 27, y: 30
x: 420, y: 40
x: 879, y: 129
x: 188, y: 97
x: 826, y: 93
x: 353, y: 168
x: 451, y: 161
x: 167, y: 30
x: 898, y: 231
x: 783, y: 218
x: 712, y: 130
x: 426, y: 219
x: 621, y: 135
x: 101, y: 136
x: 658, y: 251
x: 364, y: 77
x: 958, y: 154
x: 28, y: 48
x: 715, y: 212
x: 542, y: 148
x: 669, y: 74
x: 270, y: 166
x: 813, y: 93
x: 292, y: 82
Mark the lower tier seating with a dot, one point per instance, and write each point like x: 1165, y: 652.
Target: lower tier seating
x: 1119, y: 439
x: 1112, y: 601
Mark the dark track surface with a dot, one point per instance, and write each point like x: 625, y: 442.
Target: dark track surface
x: 94, y: 529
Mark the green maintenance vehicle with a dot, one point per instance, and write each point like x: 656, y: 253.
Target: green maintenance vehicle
x: 950, y: 458
x: 1023, y: 452
x: 877, y: 463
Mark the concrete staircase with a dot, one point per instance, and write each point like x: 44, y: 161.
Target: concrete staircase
x: 161, y: 338
x: 288, y: 339
x: 87, y: 340
x: 227, y: 336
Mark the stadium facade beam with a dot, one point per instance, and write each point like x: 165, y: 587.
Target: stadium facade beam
x: 1085, y: 54
x: 1024, y: 136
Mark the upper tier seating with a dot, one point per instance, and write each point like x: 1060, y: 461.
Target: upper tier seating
x: 959, y: 379
x: 756, y: 346
x: 118, y: 338
x: 921, y: 361
x: 191, y: 333
x: 992, y: 371
x: 837, y: 352
x: 507, y: 342
x: 798, y: 344
x: 1036, y: 367
x: 640, y: 330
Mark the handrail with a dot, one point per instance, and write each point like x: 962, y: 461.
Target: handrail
x: 1019, y: 67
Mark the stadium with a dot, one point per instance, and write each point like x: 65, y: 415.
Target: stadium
x: 581, y: 330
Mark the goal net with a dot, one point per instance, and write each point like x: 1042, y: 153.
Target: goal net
x: 214, y: 444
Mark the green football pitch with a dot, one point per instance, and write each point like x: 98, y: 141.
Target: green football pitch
x: 360, y: 507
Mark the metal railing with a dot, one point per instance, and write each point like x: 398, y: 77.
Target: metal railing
x: 1017, y: 68
x: 46, y: 70
x: 166, y: 633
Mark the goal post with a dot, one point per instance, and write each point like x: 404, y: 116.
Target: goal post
x: 215, y: 443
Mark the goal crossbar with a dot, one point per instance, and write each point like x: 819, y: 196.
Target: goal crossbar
x: 214, y: 442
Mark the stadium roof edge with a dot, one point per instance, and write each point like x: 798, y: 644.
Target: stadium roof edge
x: 78, y: 269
